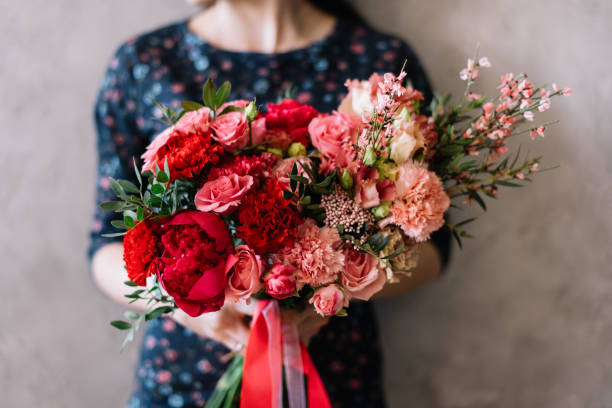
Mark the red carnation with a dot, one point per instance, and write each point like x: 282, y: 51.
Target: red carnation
x: 188, y: 153
x: 139, y: 252
x: 291, y: 118
x: 198, y: 253
x: 268, y: 222
x: 256, y: 166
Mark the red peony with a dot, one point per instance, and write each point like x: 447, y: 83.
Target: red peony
x: 188, y: 153
x: 289, y: 121
x: 257, y: 166
x: 197, y: 255
x: 268, y: 222
x: 139, y: 252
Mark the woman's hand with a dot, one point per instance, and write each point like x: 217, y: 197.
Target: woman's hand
x: 308, y: 322
x: 226, y: 326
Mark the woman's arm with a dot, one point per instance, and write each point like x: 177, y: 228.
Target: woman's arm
x: 428, y: 268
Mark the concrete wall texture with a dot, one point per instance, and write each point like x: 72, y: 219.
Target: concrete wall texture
x: 521, y: 319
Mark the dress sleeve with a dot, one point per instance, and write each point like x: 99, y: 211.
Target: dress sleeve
x: 118, y: 138
x: 416, y: 74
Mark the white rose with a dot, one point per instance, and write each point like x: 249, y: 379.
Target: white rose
x: 358, y: 101
x: 403, y: 146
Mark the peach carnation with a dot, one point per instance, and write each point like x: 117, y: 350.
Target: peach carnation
x: 316, y: 254
x: 420, y: 202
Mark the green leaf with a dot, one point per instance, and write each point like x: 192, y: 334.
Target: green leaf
x: 223, y: 93
x: 456, y: 160
x: 306, y: 200
x: 129, y: 186
x: 117, y: 189
x: 131, y: 315
x: 190, y: 106
x: 118, y: 224
x: 121, y: 325
x: 128, y: 221
x: 130, y: 283
x: 209, y: 95
x: 473, y: 194
x: 137, y: 171
x: 158, y: 312
x: 465, y: 222
x: 287, y: 195
x: 139, y: 214
x: 229, y: 109
x: 113, y: 235
x: 157, y: 189
x: 162, y: 177
x: 112, y: 205
x: 507, y: 183
x: 394, y: 254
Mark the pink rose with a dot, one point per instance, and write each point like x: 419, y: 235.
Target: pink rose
x: 361, y: 277
x: 329, y: 300
x: 258, y: 131
x: 245, y: 280
x: 335, y: 136
x: 238, y: 103
x: 231, y: 130
x: 198, y: 120
x: 280, y: 281
x: 223, y: 194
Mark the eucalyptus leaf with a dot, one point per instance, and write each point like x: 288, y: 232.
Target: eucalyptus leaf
x: 121, y: 325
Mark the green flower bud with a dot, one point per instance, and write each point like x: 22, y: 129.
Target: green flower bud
x: 369, y: 157
x: 387, y: 169
x: 296, y: 149
x: 275, y: 150
x: 382, y: 210
x: 251, y: 111
x: 346, y: 180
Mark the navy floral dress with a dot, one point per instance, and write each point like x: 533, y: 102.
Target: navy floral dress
x: 177, y: 368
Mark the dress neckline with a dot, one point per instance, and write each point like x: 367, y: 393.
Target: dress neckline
x: 195, y: 39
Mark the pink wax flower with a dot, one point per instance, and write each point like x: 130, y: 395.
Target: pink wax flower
x: 280, y: 281
x: 420, y: 202
x: 231, y: 130
x: 245, y: 280
x: 329, y: 300
x: 315, y: 254
x: 222, y: 195
x: 362, y: 277
x: 334, y: 136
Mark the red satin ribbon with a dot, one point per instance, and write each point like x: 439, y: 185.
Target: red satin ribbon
x: 262, y: 375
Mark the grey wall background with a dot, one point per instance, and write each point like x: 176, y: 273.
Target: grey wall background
x: 522, y: 319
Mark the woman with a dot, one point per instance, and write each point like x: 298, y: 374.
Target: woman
x: 263, y: 47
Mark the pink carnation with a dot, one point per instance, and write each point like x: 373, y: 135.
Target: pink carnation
x: 421, y: 202
x: 315, y: 254
x: 198, y: 120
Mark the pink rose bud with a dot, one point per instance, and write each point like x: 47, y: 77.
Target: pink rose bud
x: 361, y: 276
x: 329, y: 300
x: 280, y: 281
x: 245, y: 280
x: 231, y: 130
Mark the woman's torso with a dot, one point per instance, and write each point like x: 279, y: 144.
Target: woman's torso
x: 169, y: 65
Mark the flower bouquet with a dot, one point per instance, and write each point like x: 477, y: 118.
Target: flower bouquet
x: 297, y: 208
